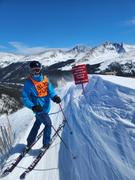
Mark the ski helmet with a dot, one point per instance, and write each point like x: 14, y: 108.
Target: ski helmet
x: 35, y: 67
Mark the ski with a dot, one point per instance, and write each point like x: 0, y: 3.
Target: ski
x: 20, y: 157
x: 41, y: 153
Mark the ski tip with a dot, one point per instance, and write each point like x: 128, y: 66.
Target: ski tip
x: 22, y: 176
x: 5, y: 172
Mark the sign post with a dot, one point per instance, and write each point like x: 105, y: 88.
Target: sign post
x: 80, y: 75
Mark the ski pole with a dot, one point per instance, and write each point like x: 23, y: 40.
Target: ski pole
x: 65, y: 119
x: 66, y: 146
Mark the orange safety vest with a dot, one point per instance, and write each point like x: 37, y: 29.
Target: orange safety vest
x: 41, y: 87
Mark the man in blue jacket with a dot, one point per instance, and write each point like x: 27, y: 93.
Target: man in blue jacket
x: 36, y: 95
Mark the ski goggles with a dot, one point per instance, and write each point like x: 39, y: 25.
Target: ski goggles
x: 35, y: 70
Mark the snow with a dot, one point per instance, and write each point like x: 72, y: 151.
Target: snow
x: 103, y: 124
x: 128, y: 82
x: 103, y: 139
x: 104, y: 53
x: 8, y: 58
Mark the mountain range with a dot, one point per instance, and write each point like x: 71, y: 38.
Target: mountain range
x: 114, y: 58
x: 103, y: 55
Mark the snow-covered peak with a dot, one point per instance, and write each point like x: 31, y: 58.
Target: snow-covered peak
x: 8, y: 58
x: 80, y: 49
x: 129, y: 48
x: 118, y: 47
x: 101, y: 53
x: 107, y: 51
x: 109, y: 48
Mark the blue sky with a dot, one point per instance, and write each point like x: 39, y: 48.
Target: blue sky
x: 32, y: 25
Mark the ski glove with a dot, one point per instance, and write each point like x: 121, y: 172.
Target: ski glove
x: 56, y: 99
x: 37, y: 108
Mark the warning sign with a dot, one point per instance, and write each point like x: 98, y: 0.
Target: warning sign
x: 80, y: 74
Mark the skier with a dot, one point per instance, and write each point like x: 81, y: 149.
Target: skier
x: 36, y: 94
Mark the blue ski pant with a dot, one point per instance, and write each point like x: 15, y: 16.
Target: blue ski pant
x: 40, y: 118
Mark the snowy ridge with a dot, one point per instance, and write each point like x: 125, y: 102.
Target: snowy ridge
x: 8, y: 58
x: 104, y: 132
x: 103, y: 123
x: 105, y: 53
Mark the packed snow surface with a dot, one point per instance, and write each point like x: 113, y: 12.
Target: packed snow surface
x: 103, y: 139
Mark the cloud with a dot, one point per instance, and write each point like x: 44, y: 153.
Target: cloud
x: 131, y: 21
x: 23, y: 49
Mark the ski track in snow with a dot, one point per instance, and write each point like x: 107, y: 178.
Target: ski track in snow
x: 103, y: 139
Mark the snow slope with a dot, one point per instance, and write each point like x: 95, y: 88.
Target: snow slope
x: 21, y: 123
x: 103, y: 122
x: 104, y: 132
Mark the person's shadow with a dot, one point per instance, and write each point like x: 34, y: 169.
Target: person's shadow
x: 18, y: 148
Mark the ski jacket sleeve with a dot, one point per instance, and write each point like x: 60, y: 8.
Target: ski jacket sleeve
x: 51, y: 91
x: 26, y: 96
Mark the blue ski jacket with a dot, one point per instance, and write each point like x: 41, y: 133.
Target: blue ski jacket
x: 30, y: 96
